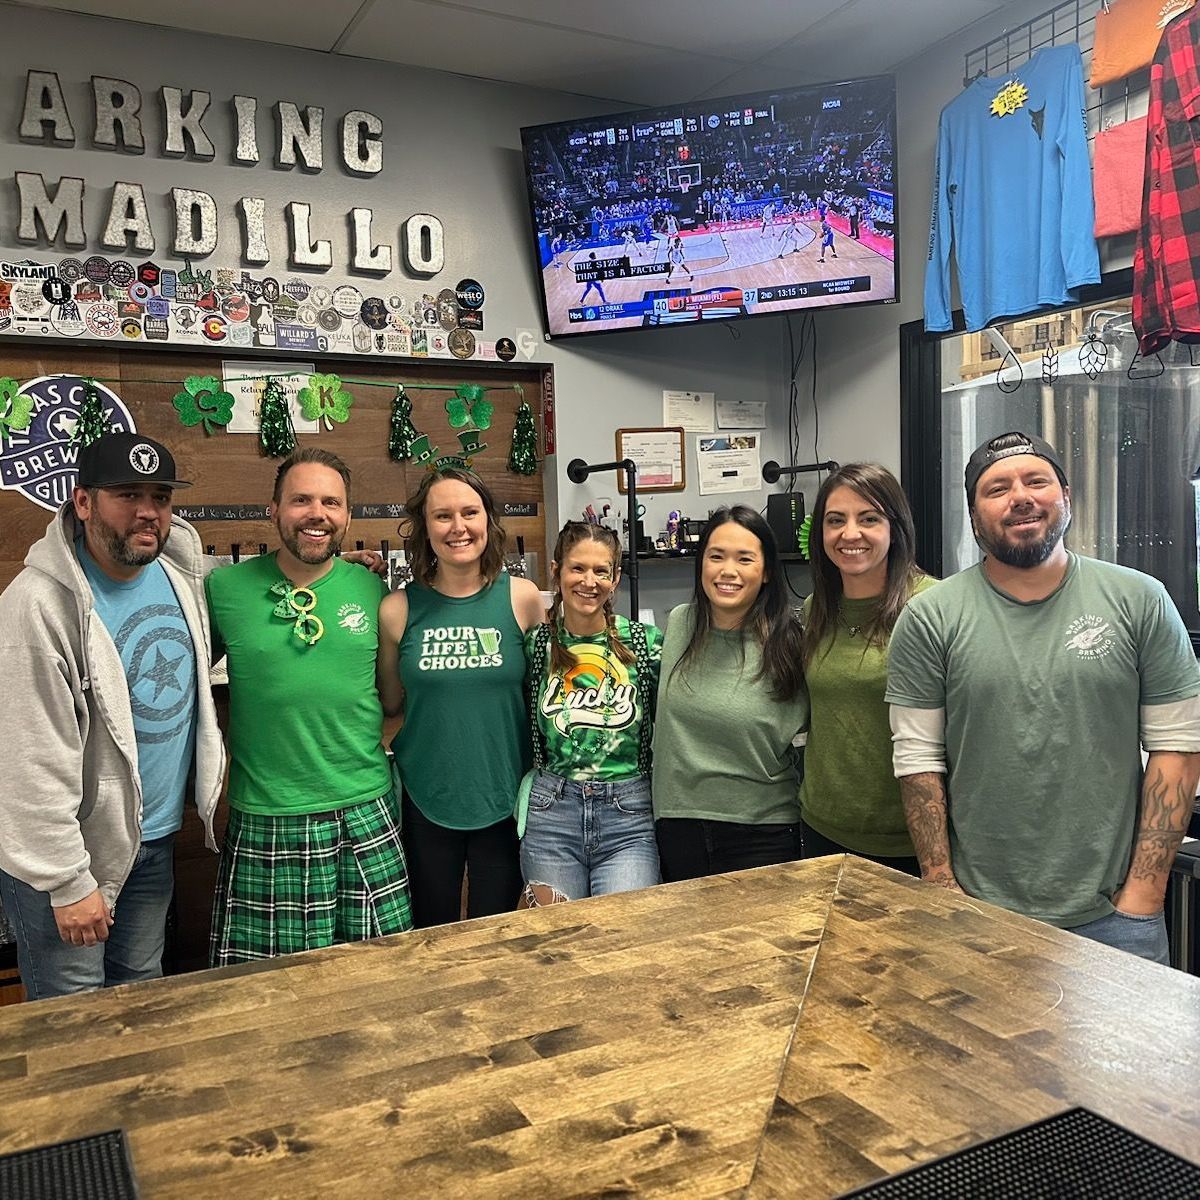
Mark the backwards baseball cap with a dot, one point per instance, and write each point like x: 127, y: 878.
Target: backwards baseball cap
x: 122, y: 458
x: 1005, y: 446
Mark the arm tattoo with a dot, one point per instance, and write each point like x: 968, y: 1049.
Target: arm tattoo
x: 1165, y: 809
x: 924, y: 799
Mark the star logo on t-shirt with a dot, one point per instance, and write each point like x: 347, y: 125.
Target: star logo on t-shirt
x: 164, y: 673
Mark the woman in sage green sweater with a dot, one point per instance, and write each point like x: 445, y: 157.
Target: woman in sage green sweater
x: 731, y: 700
x: 864, y: 572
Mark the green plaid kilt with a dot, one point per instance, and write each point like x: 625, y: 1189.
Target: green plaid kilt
x: 299, y: 882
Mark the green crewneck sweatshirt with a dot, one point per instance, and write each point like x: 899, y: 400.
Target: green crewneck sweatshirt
x: 722, y: 746
x: 849, y: 793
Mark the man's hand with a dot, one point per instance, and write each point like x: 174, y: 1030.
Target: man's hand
x: 85, y: 922
x: 944, y: 878
x: 371, y: 559
x: 1138, y: 900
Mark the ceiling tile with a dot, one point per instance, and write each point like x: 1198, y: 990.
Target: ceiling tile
x: 689, y: 26
x: 312, y: 26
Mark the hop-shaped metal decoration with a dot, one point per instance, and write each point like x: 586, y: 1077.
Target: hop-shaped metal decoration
x: 1092, y: 354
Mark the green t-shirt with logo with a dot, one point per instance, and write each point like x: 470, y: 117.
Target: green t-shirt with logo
x: 591, y: 717
x: 849, y: 793
x: 304, y: 720
x: 1042, y: 706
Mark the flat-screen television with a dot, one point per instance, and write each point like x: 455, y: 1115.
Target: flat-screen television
x: 716, y: 209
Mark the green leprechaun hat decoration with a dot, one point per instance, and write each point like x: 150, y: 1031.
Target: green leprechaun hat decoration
x: 423, y: 454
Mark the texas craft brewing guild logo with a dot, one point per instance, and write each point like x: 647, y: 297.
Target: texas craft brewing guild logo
x: 39, y: 462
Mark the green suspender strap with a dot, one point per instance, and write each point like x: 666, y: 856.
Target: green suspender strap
x: 637, y: 635
x: 537, y: 668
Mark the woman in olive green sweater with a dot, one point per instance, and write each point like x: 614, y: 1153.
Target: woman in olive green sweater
x: 864, y: 572
x: 731, y: 700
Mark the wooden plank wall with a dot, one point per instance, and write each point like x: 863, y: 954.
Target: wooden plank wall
x: 228, y: 468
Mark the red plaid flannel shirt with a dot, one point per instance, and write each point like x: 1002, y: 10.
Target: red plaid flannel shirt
x: 1166, y: 260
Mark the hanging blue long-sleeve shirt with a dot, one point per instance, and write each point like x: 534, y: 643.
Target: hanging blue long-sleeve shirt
x: 1013, y: 195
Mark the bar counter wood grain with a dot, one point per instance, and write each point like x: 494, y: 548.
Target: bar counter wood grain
x: 796, y: 1031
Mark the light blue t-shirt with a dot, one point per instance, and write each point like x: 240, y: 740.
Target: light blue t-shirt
x: 1013, y: 193
x: 145, y: 621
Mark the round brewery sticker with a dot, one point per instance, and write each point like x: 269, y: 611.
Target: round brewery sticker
x: 374, y: 313
x: 71, y: 270
x: 121, y: 273
x: 97, y: 269
x: 66, y: 320
x: 506, y: 349
x: 297, y: 289
x: 469, y: 293
x: 348, y: 300
x: 56, y: 289
x: 102, y: 320
x: 461, y: 342
x: 39, y: 462
x: 329, y: 320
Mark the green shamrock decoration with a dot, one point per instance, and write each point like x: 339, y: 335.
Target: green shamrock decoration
x: 456, y: 413
x: 473, y: 395
x: 325, y: 398
x: 15, y: 409
x: 203, y: 402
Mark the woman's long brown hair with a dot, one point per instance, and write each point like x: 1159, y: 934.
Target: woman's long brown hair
x: 882, y: 491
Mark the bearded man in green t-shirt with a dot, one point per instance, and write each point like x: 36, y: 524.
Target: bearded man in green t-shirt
x: 1021, y: 693
x: 312, y: 853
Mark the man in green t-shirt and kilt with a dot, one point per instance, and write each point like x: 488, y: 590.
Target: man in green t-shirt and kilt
x: 1022, y: 691
x: 312, y: 853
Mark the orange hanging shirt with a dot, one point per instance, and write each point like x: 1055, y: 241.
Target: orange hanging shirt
x: 1127, y: 36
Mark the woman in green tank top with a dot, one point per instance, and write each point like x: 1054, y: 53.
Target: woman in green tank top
x: 862, y: 549
x: 451, y: 658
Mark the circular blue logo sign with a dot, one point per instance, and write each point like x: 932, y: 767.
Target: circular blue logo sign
x: 39, y: 462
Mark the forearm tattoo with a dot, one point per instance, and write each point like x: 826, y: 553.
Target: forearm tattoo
x: 1165, y: 809
x: 924, y: 799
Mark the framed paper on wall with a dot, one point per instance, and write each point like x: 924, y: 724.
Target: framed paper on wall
x: 659, y: 456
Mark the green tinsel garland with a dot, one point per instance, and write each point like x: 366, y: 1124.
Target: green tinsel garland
x: 403, y: 431
x: 522, y: 458
x: 276, y: 433
x: 91, y: 416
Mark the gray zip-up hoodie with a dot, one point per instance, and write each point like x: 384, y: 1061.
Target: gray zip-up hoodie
x: 70, y: 794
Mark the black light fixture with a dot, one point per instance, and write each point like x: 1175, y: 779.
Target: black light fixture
x: 772, y: 470
x: 577, y: 472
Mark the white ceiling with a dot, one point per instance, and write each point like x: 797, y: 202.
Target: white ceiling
x: 637, y: 52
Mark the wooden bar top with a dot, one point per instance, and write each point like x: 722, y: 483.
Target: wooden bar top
x: 793, y: 1031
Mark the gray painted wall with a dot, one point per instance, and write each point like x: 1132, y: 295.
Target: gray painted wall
x: 452, y: 147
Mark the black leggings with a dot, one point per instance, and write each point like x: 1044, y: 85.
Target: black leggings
x: 817, y: 845
x: 436, y: 858
x: 689, y: 847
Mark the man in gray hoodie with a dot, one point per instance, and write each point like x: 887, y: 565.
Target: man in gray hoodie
x: 104, y: 653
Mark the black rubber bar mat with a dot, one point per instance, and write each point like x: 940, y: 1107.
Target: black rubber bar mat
x: 87, y: 1168
x: 1075, y: 1155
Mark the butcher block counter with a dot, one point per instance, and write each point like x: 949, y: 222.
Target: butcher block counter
x: 793, y: 1031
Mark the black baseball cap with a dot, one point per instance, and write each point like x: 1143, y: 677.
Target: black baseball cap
x: 121, y: 458
x: 1005, y: 446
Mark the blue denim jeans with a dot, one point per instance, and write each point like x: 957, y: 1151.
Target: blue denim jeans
x: 51, y: 967
x: 1144, y: 936
x: 589, y: 839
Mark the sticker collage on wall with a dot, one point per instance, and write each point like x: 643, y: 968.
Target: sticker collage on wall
x: 104, y: 299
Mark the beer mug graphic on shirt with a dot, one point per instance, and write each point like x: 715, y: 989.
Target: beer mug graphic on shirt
x: 489, y: 640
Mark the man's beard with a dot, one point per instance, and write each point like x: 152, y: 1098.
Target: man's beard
x: 313, y: 555
x: 121, y: 550
x: 1024, y: 555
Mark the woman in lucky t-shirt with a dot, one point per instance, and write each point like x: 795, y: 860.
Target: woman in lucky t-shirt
x: 731, y: 700
x: 589, y: 827
x: 451, y: 659
x: 864, y: 572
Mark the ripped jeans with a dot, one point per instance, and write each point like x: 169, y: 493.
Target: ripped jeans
x: 586, y: 838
